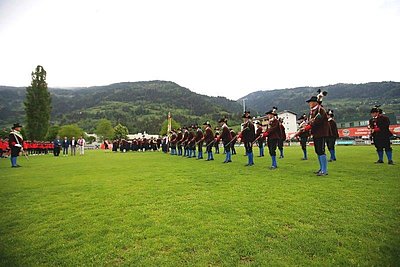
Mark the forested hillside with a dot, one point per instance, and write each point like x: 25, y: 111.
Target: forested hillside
x: 349, y: 101
x: 141, y: 106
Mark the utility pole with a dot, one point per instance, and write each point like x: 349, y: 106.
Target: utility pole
x: 244, y: 104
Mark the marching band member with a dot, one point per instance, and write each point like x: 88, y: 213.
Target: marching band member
x: 303, y: 135
x: 15, y: 142
x: 319, y: 126
x: 247, y: 136
x: 333, y: 135
x: 260, y: 138
x: 379, y: 126
x: 226, y: 139
x: 273, y: 133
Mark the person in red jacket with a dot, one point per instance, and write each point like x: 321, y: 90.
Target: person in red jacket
x: 333, y: 135
x: 379, y: 126
x: 3, y: 147
x: 319, y: 126
x: 274, y: 134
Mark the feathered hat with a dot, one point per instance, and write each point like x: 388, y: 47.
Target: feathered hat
x: 272, y: 111
x: 318, y: 98
x: 376, y: 108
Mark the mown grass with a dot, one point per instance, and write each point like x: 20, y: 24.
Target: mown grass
x: 152, y: 209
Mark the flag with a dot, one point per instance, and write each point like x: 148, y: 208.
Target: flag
x: 169, y: 122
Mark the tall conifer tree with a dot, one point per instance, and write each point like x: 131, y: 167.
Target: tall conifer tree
x: 37, y: 106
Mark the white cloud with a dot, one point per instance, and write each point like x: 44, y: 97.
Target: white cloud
x: 227, y: 48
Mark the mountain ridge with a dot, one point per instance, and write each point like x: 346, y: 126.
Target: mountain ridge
x: 144, y: 105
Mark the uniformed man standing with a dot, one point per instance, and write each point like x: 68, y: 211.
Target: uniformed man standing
x: 217, y: 137
x: 234, y: 138
x: 248, y: 136
x: 319, y: 126
x: 15, y: 142
x: 184, y: 141
x: 209, y: 140
x: 282, y: 138
x: 303, y: 135
x: 274, y: 134
x: 260, y: 138
x: 173, y: 142
x: 379, y: 126
x: 226, y: 139
x: 179, y: 141
x: 199, y: 141
x: 333, y: 135
x: 191, y: 142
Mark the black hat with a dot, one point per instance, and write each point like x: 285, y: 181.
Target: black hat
x: 312, y: 99
x: 330, y: 113
x: 16, y: 125
x: 303, y: 117
x: 223, y: 120
x: 376, y: 109
x: 272, y: 111
x: 246, y: 114
x: 207, y: 123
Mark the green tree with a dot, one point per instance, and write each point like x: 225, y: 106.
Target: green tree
x: 104, y: 129
x: 164, y: 126
x: 70, y: 131
x: 37, y: 106
x: 120, y: 131
x: 53, y: 132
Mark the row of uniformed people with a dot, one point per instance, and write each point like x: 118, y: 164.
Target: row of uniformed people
x: 137, y: 144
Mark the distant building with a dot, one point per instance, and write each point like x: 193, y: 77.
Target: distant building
x: 289, y: 121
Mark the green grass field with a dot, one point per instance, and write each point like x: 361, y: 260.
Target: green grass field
x: 152, y: 209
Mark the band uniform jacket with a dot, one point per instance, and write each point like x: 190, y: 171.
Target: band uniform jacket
x: 179, y: 137
x: 190, y: 137
x: 14, y: 139
x: 382, y: 123
x: 333, y: 131
x: 248, y: 132
x: 185, y: 137
x: 283, y: 132
x: 199, y: 135
x: 259, y: 132
x: 319, y: 122
x: 173, y: 139
x: 274, y: 129
x: 208, y: 135
x: 225, y: 134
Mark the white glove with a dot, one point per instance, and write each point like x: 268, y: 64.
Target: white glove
x: 17, y: 145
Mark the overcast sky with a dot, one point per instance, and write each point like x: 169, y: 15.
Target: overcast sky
x: 213, y: 47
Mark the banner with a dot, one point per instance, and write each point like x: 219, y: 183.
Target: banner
x: 364, y: 131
